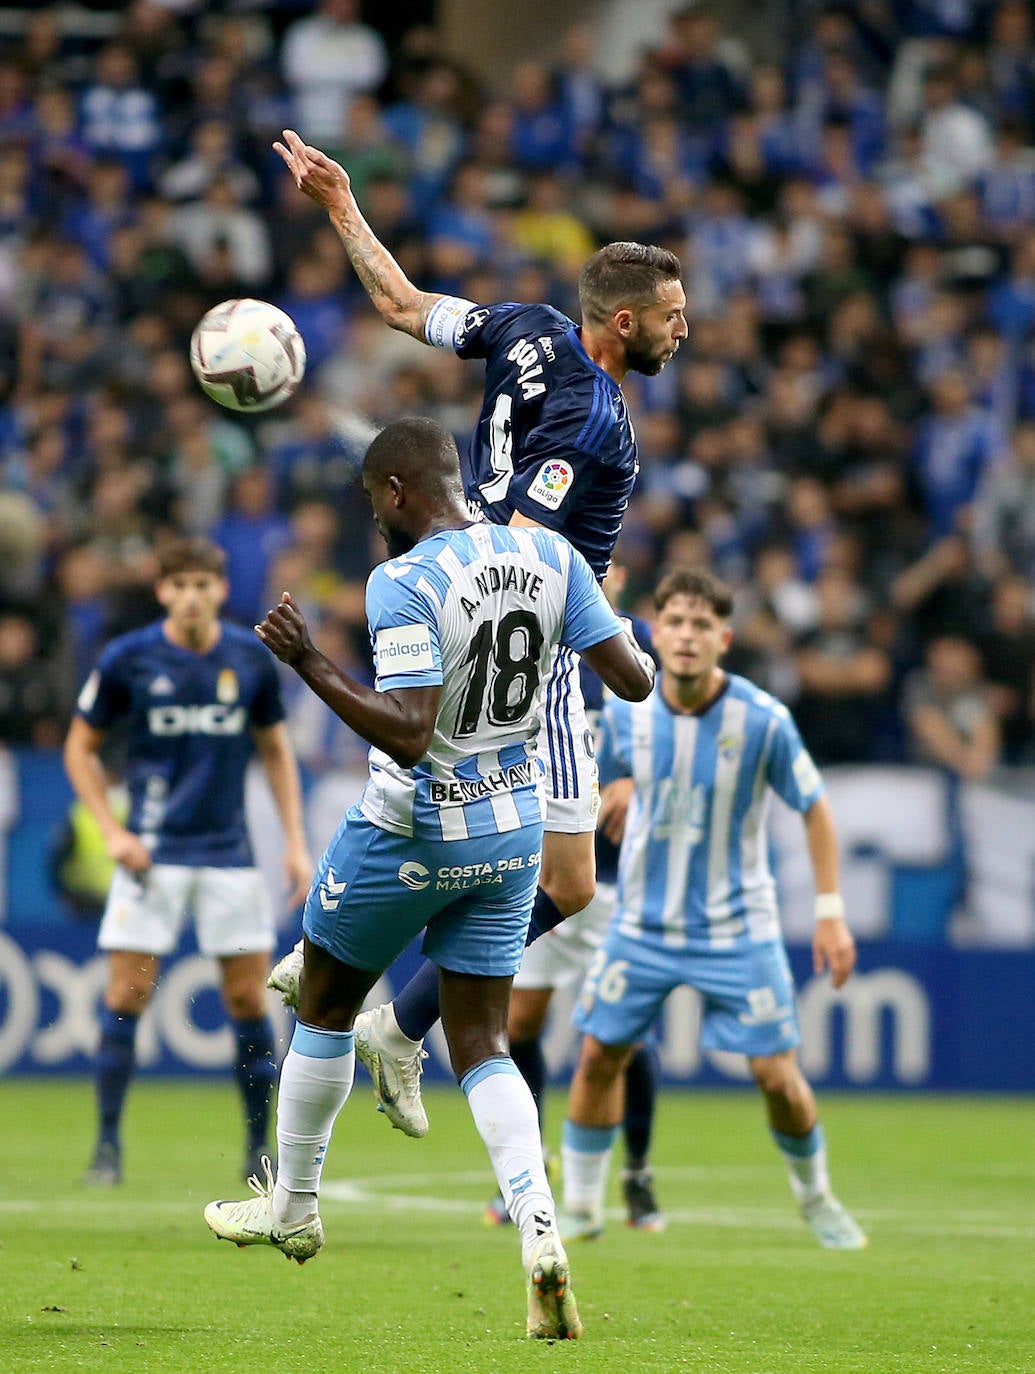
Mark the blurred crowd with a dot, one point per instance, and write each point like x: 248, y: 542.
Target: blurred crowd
x: 848, y: 434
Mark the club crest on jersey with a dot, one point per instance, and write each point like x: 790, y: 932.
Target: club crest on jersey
x: 731, y: 747
x: 227, y: 690
x: 162, y: 686
x: 474, y: 319
x: 551, y: 484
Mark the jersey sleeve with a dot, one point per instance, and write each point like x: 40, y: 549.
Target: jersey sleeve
x: 472, y: 330
x: 790, y: 771
x: 268, y: 704
x: 104, y: 697
x: 588, y: 618
x: 612, y: 743
x: 404, y: 631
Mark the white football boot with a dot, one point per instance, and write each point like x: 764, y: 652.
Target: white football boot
x: 251, y: 1222
x: 552, y: 1314
x: 396, y: 1071
x: 286, y: 977
x: 831, y: 1224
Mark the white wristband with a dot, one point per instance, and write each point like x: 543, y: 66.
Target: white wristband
x: 830, y: 906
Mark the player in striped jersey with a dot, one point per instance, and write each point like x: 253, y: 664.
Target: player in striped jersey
x: 553, y: 446
x: 696, y: 764
x: 464, y: 618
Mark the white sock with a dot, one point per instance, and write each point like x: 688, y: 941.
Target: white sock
x: 504, y: 1112
x: 585, y: 1160
x: 806, y: 1158
x: 315, y: 1082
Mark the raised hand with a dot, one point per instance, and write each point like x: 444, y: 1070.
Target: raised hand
x: 316, y: 175
x: 284, y: 631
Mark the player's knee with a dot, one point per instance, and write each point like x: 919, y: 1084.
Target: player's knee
x: 127, y: 996
x: 245, y: 1001
x: 600, y: 1065
x: 570, y: 892
x: 776, y: 1075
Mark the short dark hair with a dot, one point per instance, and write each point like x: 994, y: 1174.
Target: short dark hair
x: 626, y: 274
x: 698, y: 584
x: 195, y: 553
x: 418, y: 450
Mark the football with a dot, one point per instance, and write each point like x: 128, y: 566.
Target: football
x: 247, y: 355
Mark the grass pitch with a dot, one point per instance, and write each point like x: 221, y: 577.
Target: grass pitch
x: 130, y: 1281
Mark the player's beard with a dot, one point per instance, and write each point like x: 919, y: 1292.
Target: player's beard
x: 645, y: 357
x: 398, y: 541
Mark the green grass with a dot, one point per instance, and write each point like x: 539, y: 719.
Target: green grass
x: 130, y: 1281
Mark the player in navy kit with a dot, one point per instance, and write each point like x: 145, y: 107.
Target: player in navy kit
x: 197, y: 698
x: 553, y: 446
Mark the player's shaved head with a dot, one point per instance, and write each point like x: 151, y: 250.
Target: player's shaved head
x: 411, y: 473
x: 420, y: 453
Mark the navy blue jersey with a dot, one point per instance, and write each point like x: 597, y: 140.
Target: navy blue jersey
x: 554, y: 439
x: 593, y: 695
x: 189, y: 718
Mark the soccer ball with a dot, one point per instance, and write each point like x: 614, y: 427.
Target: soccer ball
x: 247, y: 355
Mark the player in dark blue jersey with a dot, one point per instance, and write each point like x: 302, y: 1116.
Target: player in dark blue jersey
x: 197, y: 698
x: 553, y: 446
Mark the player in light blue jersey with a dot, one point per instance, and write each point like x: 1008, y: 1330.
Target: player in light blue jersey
x: 553, y: 447
x: 696, y: 764
x: 197, y: 699
x: 465, y: 618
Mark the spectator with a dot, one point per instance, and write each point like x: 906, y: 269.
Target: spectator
x: 956, y: 139
x: 32, y: 710
x: 843, y: 676
x: 327, y: 59
x: 251, y: 534
x: 947, y: 709
x: 120, y: 117
x: 1008, y: 651
x: 1003, y: 529
x: 954, y: 446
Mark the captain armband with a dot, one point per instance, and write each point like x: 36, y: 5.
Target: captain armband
x: 446, y: 321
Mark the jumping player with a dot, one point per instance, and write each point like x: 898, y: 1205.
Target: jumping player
x: 465, y: 618
x: 553, y: 447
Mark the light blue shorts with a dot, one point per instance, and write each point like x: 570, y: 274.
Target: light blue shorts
x: 747, y: 994
x: 374, y: 891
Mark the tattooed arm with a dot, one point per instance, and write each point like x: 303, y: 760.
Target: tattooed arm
x: 395, y: 298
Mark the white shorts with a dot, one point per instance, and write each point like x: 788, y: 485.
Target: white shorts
x: 565, y: 748
x: 559, y: 958
x: 231, y: 909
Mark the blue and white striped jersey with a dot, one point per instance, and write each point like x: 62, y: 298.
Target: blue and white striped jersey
x: 480, y: 611
x: 694, y: 867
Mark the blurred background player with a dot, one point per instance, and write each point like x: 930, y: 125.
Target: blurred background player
x: 465, y: 618
x: 196, y: 698
x: 696, y: 904
x: 559, y: 961
x: 553, y: 447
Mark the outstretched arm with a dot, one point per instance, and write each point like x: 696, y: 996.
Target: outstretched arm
x: 395, y: 298
x: 401, y: 722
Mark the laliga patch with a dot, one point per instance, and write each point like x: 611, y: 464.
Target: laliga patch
x: 806, y: 774
x: 552, y: 483
x: 403, y: 649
